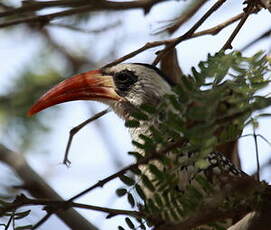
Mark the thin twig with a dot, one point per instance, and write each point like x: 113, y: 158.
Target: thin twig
x: 190, y: 32
x: 9, y: 222
x: 186, y: 15
x: 228, y: 44
x: 147, y: 46
x: 144, y: 160
x: 257, y: 153
x: 42, y: 221
x: 77, y: 128
x: 216, y: 29
x: 52, y: 205
x: 258, y: 135
x: 211, y: 31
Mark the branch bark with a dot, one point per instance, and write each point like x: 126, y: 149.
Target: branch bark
x: 190, y: 32
x: 211, y: 31
x: 51, y: 205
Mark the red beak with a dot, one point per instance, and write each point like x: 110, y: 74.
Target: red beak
x: 90, y: 85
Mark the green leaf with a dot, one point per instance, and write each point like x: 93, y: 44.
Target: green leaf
x: 129, y: 223
x: 158, y: 199
x: 155, y: 171
x: 121, y: 191
x: 131, y: 200
x: 137, y: 155
x: 174, y: 214
x: 138, y: 145
x: 132, y: 123
x: 204, y: 183
x: 148, y: 108
x: 139, y: 115
x: 127, y: 180
x: 20, y: 215
x: 151, y: 205
x: 136, y: 171
x: 140, y: 192
x: 147, y: 183
x: 194, y: 192
x: 121, y: 228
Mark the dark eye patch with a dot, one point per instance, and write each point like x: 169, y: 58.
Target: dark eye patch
x: 124, y: 80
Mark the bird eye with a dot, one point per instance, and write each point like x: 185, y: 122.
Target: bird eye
x: 124, y: 80
x: 122, y: 77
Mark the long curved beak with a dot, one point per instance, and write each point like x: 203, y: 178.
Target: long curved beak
x: 90, y: 85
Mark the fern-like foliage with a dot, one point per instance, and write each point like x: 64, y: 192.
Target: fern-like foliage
x: 209, y: 108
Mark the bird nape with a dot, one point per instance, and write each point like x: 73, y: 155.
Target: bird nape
x: 125, y: 87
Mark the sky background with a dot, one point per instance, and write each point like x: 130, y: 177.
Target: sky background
x: 91, y: 159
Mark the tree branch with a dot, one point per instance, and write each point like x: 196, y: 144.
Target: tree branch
x: 190, y: 32
x: 186, y: 15
x: 211, y: 31
x: 101, y: 183
x: 248, y: 11
x: 154, y: 155
x: 51, y: 205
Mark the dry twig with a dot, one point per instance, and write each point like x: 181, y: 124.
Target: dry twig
x: 51, y: 205
x: 186, y: 15
x: 190, y: 32
x: 77, y: 128
x: 248, y: 11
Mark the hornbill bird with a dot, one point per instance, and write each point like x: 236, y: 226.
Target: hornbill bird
x: 125, y: 87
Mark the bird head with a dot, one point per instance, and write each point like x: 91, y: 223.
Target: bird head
x: 123, y: 87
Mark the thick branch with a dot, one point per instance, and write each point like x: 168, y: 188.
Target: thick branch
x: 40, y: 189
x: 51, y: 205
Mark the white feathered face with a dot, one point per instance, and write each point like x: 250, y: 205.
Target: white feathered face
x: 138, y: 83
x: 122, y: 86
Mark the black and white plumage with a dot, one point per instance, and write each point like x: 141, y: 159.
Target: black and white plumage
x: 125, y: 87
